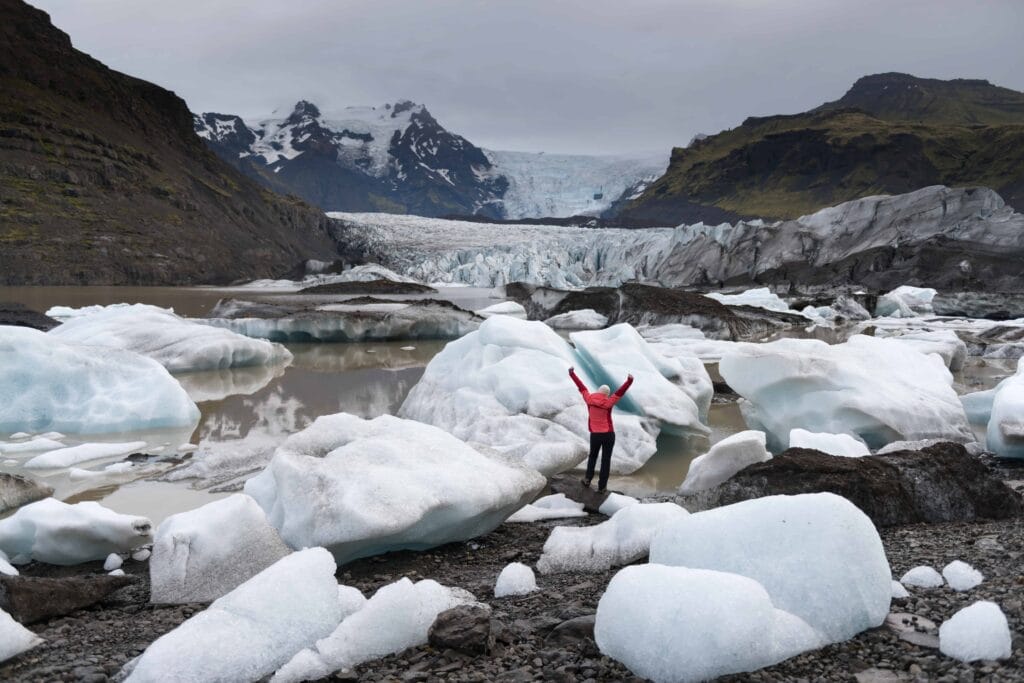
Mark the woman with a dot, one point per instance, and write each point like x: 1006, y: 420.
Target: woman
x: 602, y: 431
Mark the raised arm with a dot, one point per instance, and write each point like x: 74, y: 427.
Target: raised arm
x: 625, y: 387
x: 579, y: 385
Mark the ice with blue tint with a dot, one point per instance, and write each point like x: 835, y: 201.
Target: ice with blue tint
x: 878, y: 390
x: 1005, y: 434
x: 818, y: 556
x: 49, y: 384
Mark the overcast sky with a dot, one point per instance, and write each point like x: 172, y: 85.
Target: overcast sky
x: 587, y: 76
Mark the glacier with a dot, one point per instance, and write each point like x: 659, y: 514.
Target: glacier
x: 486, y: 255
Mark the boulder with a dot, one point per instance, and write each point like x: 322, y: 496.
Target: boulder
x: 32, y: 598
x: 939, y: 483
x: 465, y: 628
x: 16, y: 490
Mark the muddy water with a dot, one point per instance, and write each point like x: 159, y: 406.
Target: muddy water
x: 261, y: 406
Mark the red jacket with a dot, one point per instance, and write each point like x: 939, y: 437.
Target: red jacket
x: 600, y: 406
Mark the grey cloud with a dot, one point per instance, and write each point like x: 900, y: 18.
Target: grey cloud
x: 556, y: 75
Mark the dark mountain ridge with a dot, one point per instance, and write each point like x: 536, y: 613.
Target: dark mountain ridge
x: 102, y: 180
x: 889, y: 134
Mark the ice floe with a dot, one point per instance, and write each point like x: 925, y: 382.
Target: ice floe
x: 204, y: 553
x: 510, y: 308
x: 906, y: 302
x: 624, y: 538
x: 506, y: 386
x: 878, y: 390
x: 49, y: 384
x: 726, y: 458
x: 14, y: 638
x: 556, y: 506
x: 57, y: 533
x: 818, y: 556
x: 362, y: 487
x: 86, y: 452
x: 584, y: 319
x: 1005, y: 432
x: 833, y: 444
x: 675, y: 624
x: 250, y: 632
x: 397, y: 617
x: 179, y: 344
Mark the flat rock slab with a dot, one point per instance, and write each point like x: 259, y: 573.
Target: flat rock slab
x: 573, y: 489
x: 22, y: 316
x: 30, y: 599
x: 940, y: 483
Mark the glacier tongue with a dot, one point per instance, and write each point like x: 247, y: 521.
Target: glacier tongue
x: 436, y: 250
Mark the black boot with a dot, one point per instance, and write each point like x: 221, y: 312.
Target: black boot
x: 585, y: 483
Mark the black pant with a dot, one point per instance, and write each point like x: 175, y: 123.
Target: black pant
x: 604, y: 442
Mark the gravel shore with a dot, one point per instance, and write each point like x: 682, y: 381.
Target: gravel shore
x: 93, y: 644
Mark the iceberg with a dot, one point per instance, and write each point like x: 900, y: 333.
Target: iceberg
x: 397, y: 617
x: 675, y: 391
x: 818, y: 556
x: 57, y: 533
x: 760, y: 298
x: 979, y: 631
x: 203, y: 554
x: 556, y: 506
x: 363, y: 487
x: 583, y: 319
x: 624, y: 538
x: 49, y: 384
x: 14, y: 638
x: 180, y: 345
x: 726, y: 458
x: 515, y: 579
x: 834, y: 444
x: 254, y: 629
x: 506, y: 386
x: 906, y: 302
x: 1005, y: 432
x: 945, y: 343
x: 510, y: 308
x: 877, y: 390
x: 677, y: 624
x: 37, y: 444
x: 86, y: 452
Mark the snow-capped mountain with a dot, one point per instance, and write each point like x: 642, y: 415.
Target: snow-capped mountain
x: 399, y: 159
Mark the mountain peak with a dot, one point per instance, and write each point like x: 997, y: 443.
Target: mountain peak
x: 897, y: 96
x: 304, y: 109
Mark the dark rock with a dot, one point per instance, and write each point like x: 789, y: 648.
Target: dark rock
x: 30, y: 599
x: 16, y: 314
x: 371, y: 287
x: 940, y: 483
x: 572, y: 488
x: 466, y: 628
x: 572, y: 630
x: 16, y: 490
x: 640, y: 304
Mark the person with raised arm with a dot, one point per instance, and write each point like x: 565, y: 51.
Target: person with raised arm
x: 602, y: 431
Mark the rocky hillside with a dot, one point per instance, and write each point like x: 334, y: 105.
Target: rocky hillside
x: 891, y: 133
x: 397, y: 158
x: 103, y: 181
